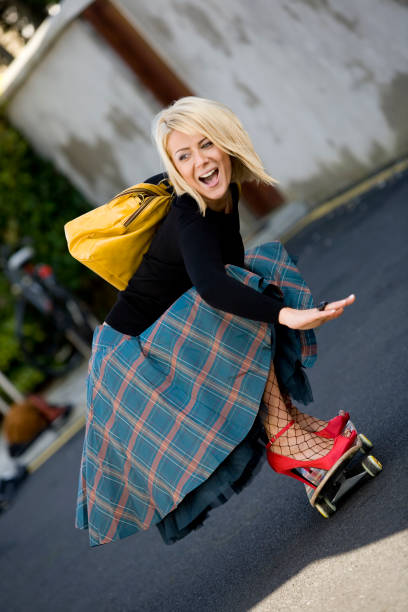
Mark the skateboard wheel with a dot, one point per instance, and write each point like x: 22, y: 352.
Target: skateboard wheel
x: 371, y: 465
x: 325, y: 507
x: 366, y: 444
x: 330, y: 504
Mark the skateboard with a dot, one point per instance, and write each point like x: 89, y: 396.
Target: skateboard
x: 353, y: 468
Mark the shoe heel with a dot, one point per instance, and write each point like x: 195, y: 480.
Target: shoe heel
x: 298, y: 475
x: 293, y: 473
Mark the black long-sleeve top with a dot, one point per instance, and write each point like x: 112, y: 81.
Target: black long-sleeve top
x: 190, y: 250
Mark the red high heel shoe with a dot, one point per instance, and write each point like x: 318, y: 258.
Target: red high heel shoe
x: 287, y: 465
x: 335, y: 426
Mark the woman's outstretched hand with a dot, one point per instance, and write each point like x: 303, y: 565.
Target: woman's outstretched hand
x: 311, y: 318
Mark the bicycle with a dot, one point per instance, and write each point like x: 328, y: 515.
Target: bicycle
x: 68, y: 323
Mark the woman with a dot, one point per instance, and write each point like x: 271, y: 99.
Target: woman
x: 183, y: 388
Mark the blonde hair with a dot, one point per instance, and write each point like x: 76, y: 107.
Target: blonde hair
x: 193, y: 115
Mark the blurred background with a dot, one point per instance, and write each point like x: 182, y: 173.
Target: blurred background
x: 320, y: 85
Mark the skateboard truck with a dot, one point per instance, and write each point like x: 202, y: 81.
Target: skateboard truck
x: 345, y: 475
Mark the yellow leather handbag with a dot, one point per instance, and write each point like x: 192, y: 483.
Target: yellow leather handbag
x: 112, y: 239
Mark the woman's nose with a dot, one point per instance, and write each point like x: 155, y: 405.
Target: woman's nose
x: 200, y: 157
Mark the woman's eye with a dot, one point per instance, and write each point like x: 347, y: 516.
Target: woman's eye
x: 183, y: 157
x: 207, y: 144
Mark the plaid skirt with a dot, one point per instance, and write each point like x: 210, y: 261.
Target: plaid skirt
x: 172, y: 426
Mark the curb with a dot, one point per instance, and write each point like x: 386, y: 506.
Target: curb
x: 292, y: 218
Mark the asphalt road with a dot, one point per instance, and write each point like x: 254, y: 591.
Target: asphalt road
x: 267, y: 548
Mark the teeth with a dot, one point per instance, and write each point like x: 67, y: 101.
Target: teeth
x: 208, y: 174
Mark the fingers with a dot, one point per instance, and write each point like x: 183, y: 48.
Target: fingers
x: 314, y: 319
x: 335, y: 314
x: 328, y: 315
x: 309, y: 319
x: 323, y: 315
x: 340, y: 303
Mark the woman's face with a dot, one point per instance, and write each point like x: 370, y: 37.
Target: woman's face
x: 204, y: 166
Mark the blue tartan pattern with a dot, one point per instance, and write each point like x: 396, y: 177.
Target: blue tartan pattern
x: 167, y: 407
x: 272, y: 262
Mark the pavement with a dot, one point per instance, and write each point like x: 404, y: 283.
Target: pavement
x: 266, y: 549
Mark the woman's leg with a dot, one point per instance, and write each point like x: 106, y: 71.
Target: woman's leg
x: 306, y: 421
x: 295, y: 442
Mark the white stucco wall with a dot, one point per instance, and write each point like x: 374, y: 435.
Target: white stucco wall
x: 83, y: 108
x: 321, y: 86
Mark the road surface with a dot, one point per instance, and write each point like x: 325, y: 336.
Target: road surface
x: 266, y: 549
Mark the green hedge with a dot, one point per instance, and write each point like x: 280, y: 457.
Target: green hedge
x: 36, y: 201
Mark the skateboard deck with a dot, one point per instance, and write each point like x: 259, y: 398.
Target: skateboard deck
x: 355, y: 466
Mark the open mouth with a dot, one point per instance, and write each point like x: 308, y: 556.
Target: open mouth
x: 210, y: 178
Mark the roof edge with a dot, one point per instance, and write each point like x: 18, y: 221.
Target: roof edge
x: 34, y: 50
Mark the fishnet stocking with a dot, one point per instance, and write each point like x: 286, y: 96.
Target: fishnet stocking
x: 305, y: 421
x: 295, y: 442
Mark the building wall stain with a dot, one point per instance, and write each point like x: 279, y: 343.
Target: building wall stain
x: 250, y: 96
x: 350, y: 24
x: 93, y: 160
x: 160, y: 26
x: 348, y: 169
x: 360, y: 73
x: 204, y: 26
x: 124, y: 125
x: 396, y: 113
x: 289, y: 9
x: 238, y: 27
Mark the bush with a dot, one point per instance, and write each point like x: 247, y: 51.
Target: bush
x: 36, y: 201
